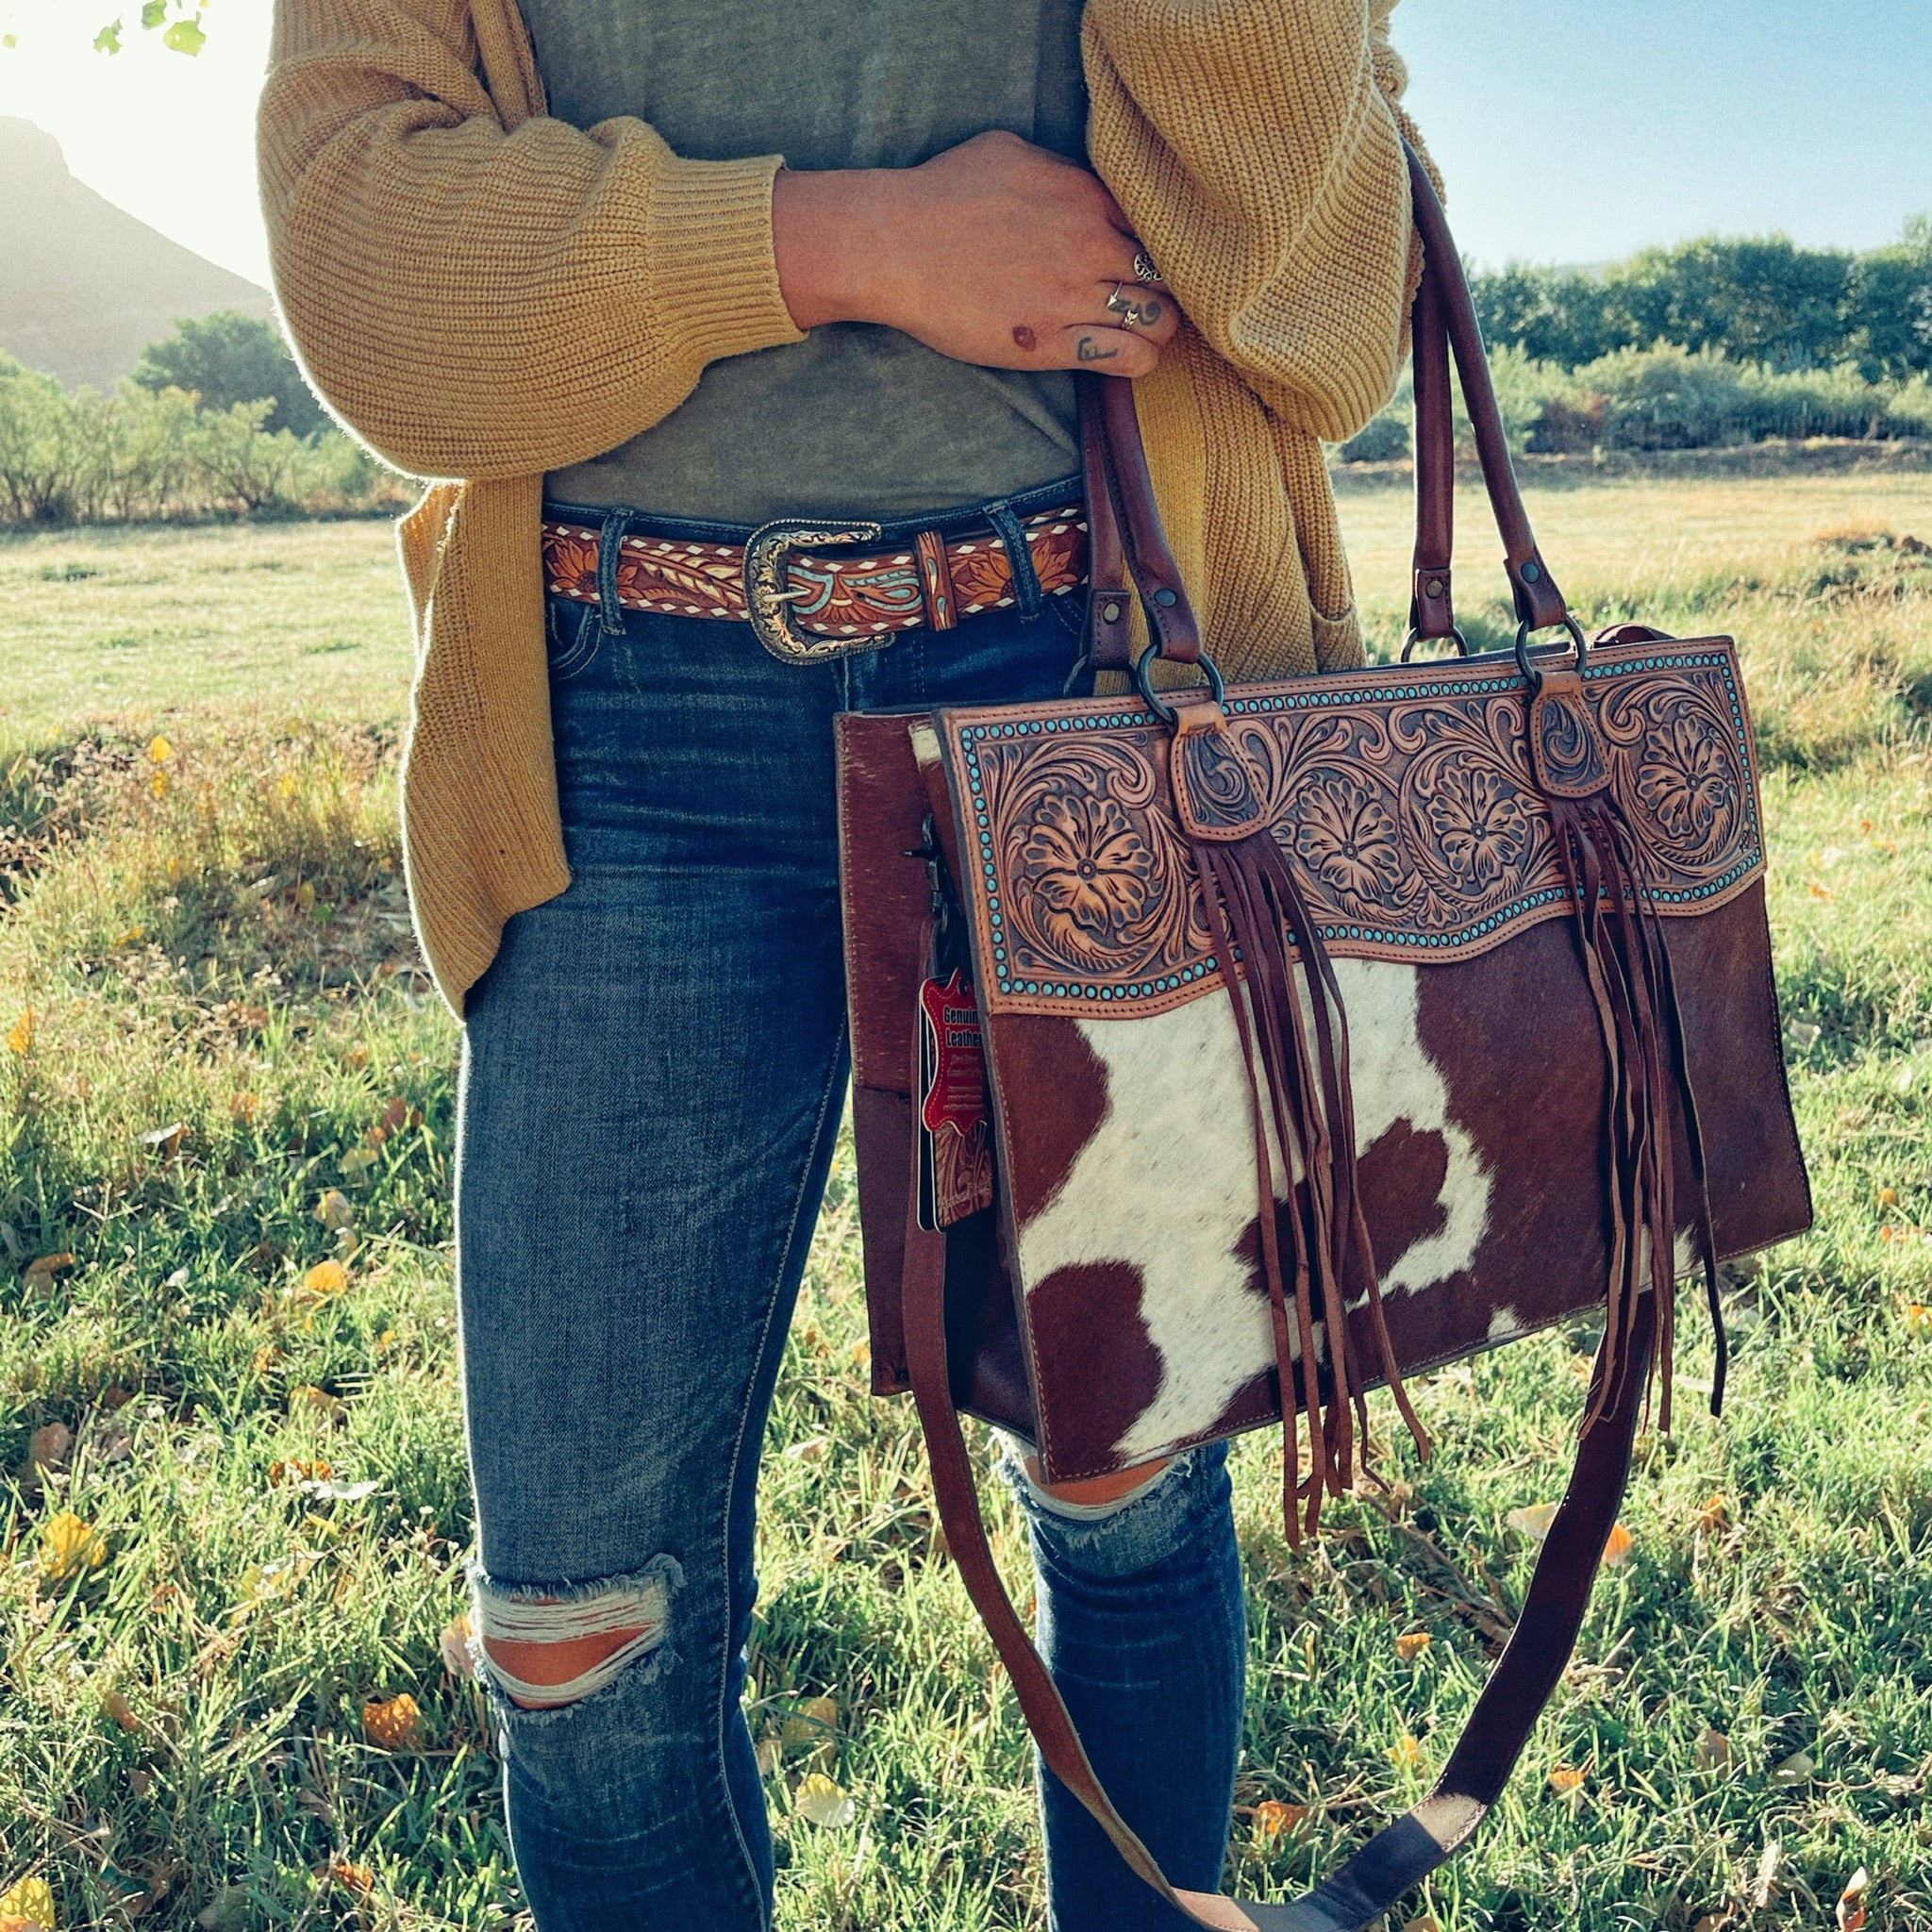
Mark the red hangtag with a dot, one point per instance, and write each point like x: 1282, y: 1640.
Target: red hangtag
x: 956, y: 1140
x: 955, y: 1069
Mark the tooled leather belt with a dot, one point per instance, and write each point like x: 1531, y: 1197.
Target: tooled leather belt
x: 808, y: 600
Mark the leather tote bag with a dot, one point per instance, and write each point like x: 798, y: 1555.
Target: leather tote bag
x: 1224, y: 1050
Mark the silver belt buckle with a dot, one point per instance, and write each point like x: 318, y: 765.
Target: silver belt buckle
x: 767, y: 595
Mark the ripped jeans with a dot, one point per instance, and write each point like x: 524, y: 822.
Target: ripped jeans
x: 654, y: 1069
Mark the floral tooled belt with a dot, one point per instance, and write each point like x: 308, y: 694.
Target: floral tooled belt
x: 808, y: 594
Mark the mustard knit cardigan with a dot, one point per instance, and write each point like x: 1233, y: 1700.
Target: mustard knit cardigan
x: 484, y: 293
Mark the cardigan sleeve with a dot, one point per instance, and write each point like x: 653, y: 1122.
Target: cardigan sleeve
x: 483, y: 300
x: 1255, y: 146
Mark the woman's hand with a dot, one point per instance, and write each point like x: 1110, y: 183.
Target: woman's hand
x: 994, y: 251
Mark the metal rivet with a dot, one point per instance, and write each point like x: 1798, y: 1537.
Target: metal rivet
x: 1164, y: 598
x: 1530, y: 573
x: 1433, y: 588
x: 1112, y: 613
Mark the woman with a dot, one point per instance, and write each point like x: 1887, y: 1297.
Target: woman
x: 645, y: 279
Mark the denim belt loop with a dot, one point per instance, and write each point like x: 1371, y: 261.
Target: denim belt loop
x: 609, y: 549
x: 1028, y: 596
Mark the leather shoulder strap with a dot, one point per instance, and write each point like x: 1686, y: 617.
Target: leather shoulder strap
x: 1112, y: 451
x: 1401, y: 1854
x: 1109, y: 629
x: 1444, y: 307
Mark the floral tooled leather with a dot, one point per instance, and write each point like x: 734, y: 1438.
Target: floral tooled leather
x: 1568, y: 762
x: 835, y: 596
x: 1406, y: 801
x: 1215, y: 794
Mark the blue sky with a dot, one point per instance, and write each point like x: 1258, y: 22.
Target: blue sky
x: 1570, y: 130
x: 1576, y: 131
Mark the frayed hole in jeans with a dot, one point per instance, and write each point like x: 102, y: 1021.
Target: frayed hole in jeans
x: 542, y: 1646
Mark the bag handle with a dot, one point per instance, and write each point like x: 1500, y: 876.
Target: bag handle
x: 1444, y: 307
x: 1405, y: 1851
x: 1124, y: 527
x: 1124, y: 520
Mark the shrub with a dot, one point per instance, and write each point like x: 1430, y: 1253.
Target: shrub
x: 1384, y: 438
x: 229, y: 358
x: 82, y: 456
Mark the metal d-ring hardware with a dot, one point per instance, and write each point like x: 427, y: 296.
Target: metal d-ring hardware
x: 1143, y: 678
x: 1415, y: 637
x: 1530, y: 673
x: 768, y: 553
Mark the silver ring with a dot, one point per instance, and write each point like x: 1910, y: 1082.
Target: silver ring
x: 1145, y: 270
x: 1118, y: 304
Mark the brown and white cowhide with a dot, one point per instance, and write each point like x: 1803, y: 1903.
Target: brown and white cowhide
x: 1478, y: 1092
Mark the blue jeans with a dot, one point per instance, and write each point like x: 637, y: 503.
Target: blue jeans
x: 654, y: 1071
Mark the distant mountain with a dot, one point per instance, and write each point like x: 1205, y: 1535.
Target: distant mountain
x: 84, y: 286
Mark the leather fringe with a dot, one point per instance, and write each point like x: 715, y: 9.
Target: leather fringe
x: 1297, y: 1062
x: 1626, y: 965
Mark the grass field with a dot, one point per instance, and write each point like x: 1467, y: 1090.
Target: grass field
x: 223, y: 1072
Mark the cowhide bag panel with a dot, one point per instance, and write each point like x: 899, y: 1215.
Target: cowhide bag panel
x: 1479, y: 1071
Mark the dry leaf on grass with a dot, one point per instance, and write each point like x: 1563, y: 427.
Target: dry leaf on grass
x: 1713, y: 1752
x: 1565, y: 1779
x: 1767, y: 1876
x: 31, y: 1899
x: 814, y: 1728
x: 1422, y: 1926
x: 294, y: 1471
x: 69, y: 1547
x: 1617, y: 1550
x: 50, y: 1446
x: 166, y: 1142
x: 1412, y: 1644
x: 395, y: 1722
x: 1273, y: 1818
x: 453, y: 1646
x: 358, y: 1880
x: 334, y: 1210
x: 1533, y: 1521
x: 1851, y: 1902
x: 771, y: 1754
x: 307, y: 1400
x: 325, y: 1278
x: 1715, y: 1515
x: 20, y: 1036
x: 1405, y: 1754
x: 819, y: 1801
x: 115, y: 1706
x: 38, y: 1278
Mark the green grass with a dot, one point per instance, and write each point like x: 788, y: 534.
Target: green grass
x: 228, y: 958
x: 308, y: 617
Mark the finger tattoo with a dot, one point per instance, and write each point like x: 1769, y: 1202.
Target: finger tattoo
x: 1090, y: 351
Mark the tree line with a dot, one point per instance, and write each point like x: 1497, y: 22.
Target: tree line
x: 215, y: 421
x: 1761, y: 300
x: 1715, y: 341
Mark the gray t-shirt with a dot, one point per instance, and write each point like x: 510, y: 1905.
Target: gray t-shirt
x: 856, y: 419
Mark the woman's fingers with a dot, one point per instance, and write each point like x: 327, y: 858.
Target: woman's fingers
x: 1107, y: 351
x: 1152, y: 313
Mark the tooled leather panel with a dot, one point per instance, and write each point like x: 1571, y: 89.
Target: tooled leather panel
x: 837, y: 595
x: 1404, y: 795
